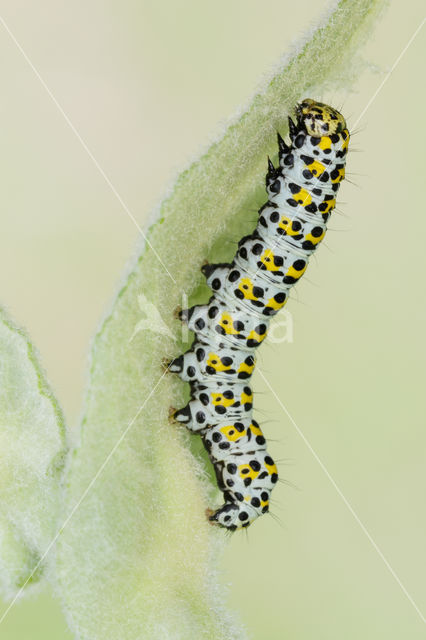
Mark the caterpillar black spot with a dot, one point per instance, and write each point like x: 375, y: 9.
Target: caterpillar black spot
x: 246, y: 294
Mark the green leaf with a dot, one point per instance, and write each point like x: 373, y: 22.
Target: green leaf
x: 32, y: 456
x: 137, y: 558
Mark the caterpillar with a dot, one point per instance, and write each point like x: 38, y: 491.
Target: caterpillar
x: 246, y: 294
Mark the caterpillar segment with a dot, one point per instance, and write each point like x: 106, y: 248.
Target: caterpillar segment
x: 246, y: 293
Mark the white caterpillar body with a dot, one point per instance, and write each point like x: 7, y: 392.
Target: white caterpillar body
x: 246, y: 294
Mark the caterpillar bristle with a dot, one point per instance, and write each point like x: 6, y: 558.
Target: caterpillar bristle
x: 271, y: 168
x: 293, y: 130
x: 283, y: 148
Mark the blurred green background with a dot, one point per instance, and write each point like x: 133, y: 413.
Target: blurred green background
x: 146, y: 85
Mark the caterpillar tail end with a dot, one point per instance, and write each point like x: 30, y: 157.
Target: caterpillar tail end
x: 230, y: 516
x: 214, y: 519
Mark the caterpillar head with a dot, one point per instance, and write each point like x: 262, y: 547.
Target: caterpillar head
x: 319, y: 119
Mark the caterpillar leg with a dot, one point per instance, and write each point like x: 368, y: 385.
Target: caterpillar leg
x: 175, y: 365
x: 184, y: 416
x: 186, y: 365
x: 233, y: 516
x: 175, y: 418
